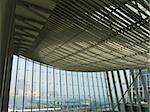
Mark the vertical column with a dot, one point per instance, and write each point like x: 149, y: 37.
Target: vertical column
x: 109, y: 87
x: 128, y: 89
x: 6, y: 50
x: 136, y: 90
x: 121, y: 89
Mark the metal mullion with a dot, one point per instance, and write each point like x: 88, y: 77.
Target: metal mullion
x: 72, y: 86
x: 60, y: 80
x: 78, y: 89
x: 84, y: 90
x: 110, y: 92
x: 67, y: 89
x: 98, y: 91
x: 136, y: 90
x: 121, y: 89
x: 54, y: 87
x: 142, y: 78
x: 106, y: 89
x: 32, y: 86
x: 25, y: 70
x: 94, y: 91
x: 47, y: 87
x: 39, y: 87
x: 103, y: 89
x: 89, y: 88
x: 17, y: 67
x: 116, y: 94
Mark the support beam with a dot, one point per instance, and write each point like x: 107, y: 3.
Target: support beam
x: 21, y: 18
x: 25, y: 28
x: 6, y: 48
x: 37, y: 7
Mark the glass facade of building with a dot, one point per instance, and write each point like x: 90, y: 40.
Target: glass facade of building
x: 39, y: 87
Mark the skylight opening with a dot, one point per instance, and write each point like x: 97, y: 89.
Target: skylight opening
x: 145, y: 29
x: 121, y: 18
x: 125, y: 15
x: 143, y: 9
x: 132, y: 8
x: 108, y: 9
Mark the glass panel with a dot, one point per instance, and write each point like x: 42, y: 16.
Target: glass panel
x: 35, y: 97
x: 27, y: 86
x: 43, y: 91
x: 13, y: 83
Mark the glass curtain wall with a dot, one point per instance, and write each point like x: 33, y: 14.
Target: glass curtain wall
x: 39, y: 87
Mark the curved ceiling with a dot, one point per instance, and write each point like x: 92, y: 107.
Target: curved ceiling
x: 84, y: 35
